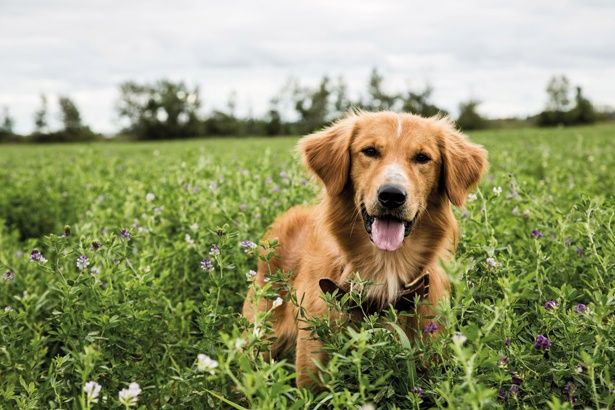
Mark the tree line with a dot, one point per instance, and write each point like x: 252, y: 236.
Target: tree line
x: 166, y: 109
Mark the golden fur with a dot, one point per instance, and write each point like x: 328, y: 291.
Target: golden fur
x: 329, y: 239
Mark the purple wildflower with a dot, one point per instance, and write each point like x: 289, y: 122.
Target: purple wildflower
x: 243, y: 207
x: 247, y: 245
x: 66, y: 233
x: 275, y: 188
x: 418, y: 391
x: 542, y: 342
x: 537, y: 234
x: 507, y: 342
x: 514, y: 390
x: 124, y: 233
x: 82, y: 262
x: 206, y: 265
x: 430, y: 328
x: 516, y: 379
x: 569, y: 391
x: 284, y: 174
x: 580, y: 308
x: 502, y: 394
x: 580, y: 251
x: 95, y: 245
x: 550, y: 305
x: 568, y: 242
x: 36, y: 255
x: 8, y: 276
x: 503, y: 362
x: 214, y: 250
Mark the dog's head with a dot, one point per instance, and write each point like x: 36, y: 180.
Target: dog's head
x: 392, y: 167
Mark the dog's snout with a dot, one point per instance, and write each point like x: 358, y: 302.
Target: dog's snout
x: 391, y: 196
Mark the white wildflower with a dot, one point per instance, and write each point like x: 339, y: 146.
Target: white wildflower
x: 459, y: 338
x: 239, y: 343
x: 150, y: 197
x: 277, y: 302
x: 92, y: 390
x: 128, y: 397
x: 497, y: 190
x: 189, y: 240
x: 205, y: 363
x: 250, y: 275
x: 472, y: 197
x: 491, y: 262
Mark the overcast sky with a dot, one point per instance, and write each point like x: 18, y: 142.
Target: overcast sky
x: 501, y: 53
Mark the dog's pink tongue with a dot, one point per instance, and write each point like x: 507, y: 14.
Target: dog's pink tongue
x: 387, y: 234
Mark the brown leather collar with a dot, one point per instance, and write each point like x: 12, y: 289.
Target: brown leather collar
x: 403, y: 303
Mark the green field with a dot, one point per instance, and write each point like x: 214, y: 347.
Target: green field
x: 141, y: 307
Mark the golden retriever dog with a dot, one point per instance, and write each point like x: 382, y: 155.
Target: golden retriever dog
x: 385, y: 213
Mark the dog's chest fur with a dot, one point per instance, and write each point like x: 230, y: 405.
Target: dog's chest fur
x: 389, y: 273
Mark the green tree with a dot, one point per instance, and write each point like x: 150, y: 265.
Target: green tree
x: 7, y: 124
x: 313, y: 105
x: 469, y: 118
x: 559, y: 109
x: 41, y: 123
x: 419, y: 102
x: 583, y: 111
x: 341, y: 102
x: 273, y: 119
x: 160, y: 110
x: 558, y: 92
x: 69, y: 115
x: 377, y: 98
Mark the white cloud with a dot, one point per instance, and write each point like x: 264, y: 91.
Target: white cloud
x: 501, y: 54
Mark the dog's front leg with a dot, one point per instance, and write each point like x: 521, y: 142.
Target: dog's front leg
x: 309, y: 352
x: 439, y: 289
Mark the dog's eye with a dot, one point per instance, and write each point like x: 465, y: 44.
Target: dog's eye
x: 370, y: 152
x: 422, y: 158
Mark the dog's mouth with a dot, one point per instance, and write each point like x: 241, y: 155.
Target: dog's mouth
x: 386, y: 231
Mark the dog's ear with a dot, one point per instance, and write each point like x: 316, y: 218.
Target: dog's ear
x: 327, y: 154
x: 463, y: 165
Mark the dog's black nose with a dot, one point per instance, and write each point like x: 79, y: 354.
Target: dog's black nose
x: 391, y: 196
